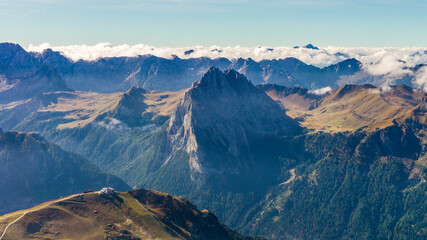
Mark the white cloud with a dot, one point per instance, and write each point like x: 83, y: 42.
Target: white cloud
x: 384, y: 64
x: 113, y: 124
x: 421, y: 79
x: 374, y: 91
x: 321, y: 91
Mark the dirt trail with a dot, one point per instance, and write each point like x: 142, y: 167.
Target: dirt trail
x: 30, y: 211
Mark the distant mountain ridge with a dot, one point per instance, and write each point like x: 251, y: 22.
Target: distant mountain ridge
x: 156, y: 73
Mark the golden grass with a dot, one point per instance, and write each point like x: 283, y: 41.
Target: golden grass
x: 163, y: 103
x: 85, y: 219
x: 83, y: 107
x: 368, y: 108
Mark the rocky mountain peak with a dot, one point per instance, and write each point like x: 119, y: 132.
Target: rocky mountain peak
x: 311, y: 46
x: 217, y: 82
x: 221, y: 117
x: 11, y: 48
x: 130, y: 108
x: 308, y: 46
x: 135, y: 91
x: 15, y: 61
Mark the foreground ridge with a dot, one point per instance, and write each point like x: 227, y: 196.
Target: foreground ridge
x: 107, y: 214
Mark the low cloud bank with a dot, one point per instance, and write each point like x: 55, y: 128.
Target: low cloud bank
x: 113, y: 124
x: 321, y: 91
x: 421, y: 79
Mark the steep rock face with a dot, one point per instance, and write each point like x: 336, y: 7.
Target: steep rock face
x: 221, y: 118
x: 34, y: 170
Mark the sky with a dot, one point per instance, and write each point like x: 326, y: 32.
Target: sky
x: 248, y: 23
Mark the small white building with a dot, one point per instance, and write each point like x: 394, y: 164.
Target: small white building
x: 107, y: 191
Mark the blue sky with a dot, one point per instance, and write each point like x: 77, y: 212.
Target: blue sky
x: 179, y: 23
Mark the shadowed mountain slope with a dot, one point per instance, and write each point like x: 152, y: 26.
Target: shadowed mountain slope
x: 33, y: 170
x: 45, y: 79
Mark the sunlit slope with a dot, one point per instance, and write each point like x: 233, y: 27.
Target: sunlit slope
x: 351, y: 107
x: 68, y: 110
x: 118, y: 216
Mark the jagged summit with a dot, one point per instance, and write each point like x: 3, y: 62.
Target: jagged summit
x: 136, y: 91
x: 215, y: 81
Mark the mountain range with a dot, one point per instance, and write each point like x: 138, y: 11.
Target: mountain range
x: 281, y: 161
x: 156, y: 73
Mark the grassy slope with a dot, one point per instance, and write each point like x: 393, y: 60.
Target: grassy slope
x: 352, y: 107
x: 75, y: 219
x: 121, y: 216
